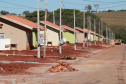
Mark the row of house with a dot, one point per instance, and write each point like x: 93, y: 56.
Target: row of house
x: 21, y: 34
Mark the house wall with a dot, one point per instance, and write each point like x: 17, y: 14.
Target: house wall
x: 34, y: 33
x: 16, y: 33
x: 100, y: 38
x: 52, y: 35
x: 80, y: 37
x: 69, y: 36
x: 90, y: 36
x: 95, y: 36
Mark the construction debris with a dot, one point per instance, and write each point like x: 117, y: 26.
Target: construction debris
x: 1, y: 68
x: 67, y: 58
x: 62, y: 67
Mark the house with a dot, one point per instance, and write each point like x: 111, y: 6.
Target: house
x: 21, y: 32
x: 52, y: 33
x: 95, y: 36
x: 69, y: 35
x: 80, y: 35
x: 88, y: 33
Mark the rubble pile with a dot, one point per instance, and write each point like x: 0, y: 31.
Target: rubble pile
x: 67, y: 58
x: 62, y: 67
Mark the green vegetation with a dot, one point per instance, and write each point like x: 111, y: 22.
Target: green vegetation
x: 67, y: 17
x: 116, y: 21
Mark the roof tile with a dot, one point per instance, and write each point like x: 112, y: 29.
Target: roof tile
x: 22, y: 21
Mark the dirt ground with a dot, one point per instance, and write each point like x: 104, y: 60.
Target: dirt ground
x: 21, y: 69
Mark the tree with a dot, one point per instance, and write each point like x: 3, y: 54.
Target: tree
x: 96, y: 6
x: 26, y: 12
x: 13, y: 14
x: 88, y: 8
x: 4, y: 12
x: 19, y: 14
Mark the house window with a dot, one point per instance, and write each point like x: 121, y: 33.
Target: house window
x: 2, y: 36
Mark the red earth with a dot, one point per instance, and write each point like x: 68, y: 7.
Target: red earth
x: 52, y: 56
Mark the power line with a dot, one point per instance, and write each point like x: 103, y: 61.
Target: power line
x: 113, y: 6
x: 105, y: 2
x: 17, y: 4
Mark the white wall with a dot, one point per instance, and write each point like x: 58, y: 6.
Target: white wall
x: 52, y: 36
x: 90, y: 36
x: 5, y: 42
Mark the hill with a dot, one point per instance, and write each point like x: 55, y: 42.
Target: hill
x: 113, y: 18
x: 116, y: 21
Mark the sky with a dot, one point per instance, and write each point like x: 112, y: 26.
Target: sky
x: 18, y: 6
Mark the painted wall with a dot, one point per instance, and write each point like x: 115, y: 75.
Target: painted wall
x: 80, y: 37
x: 34, y: 39
x: 4, y: 44
x: 15, y: 33
x: 52, y: 35
x: 90, y: 36
x: 69, y: 36
x: 95, y: 36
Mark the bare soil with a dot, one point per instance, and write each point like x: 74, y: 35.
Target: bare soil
x: 52, y: 56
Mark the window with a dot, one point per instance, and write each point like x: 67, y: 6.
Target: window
x: 2, y: 36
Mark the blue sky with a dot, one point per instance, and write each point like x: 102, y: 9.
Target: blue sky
x: 18, y: 6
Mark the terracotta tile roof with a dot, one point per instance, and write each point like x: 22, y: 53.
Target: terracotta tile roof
x: 69, y: 28
x: 78, y: 28
x: 97, y: 34
x: 21, y: 21
x: 53, y: 25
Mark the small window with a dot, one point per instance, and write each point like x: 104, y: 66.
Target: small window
x: 2, y: 36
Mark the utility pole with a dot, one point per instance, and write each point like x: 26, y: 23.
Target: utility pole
x: 90, y: 30
x: 60, y: 30
x: 84, y: 30
x: 112, y: 35
x: 95, y: 32
x: 99, y: 33
x: 106, y: 34
x: 45, y: 29
x: 109, y: 35
x: 74, y: 31
x: 88, y: 21
x: 38, y: 30
x: 53, y: 16
x: 102, y: 32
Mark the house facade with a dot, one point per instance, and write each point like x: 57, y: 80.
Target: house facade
x: 52, y: 33
x: 80, y: 35
x: 69, y: 35
x: 21, y: 32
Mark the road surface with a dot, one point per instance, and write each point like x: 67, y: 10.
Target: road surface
x: 103, y: 67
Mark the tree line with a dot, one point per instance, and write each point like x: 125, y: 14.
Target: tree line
x: 68, y: 19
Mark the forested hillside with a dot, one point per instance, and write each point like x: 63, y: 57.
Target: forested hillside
x: 115, y: 21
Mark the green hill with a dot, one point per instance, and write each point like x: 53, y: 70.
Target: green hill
x: 116, y: 21
x: 113, y: 18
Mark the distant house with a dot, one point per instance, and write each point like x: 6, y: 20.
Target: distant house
x: 52, y: 33
x: 69, y: 35
x: 22, y: 33
x: 80, y: 35
x: 95, y: 36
